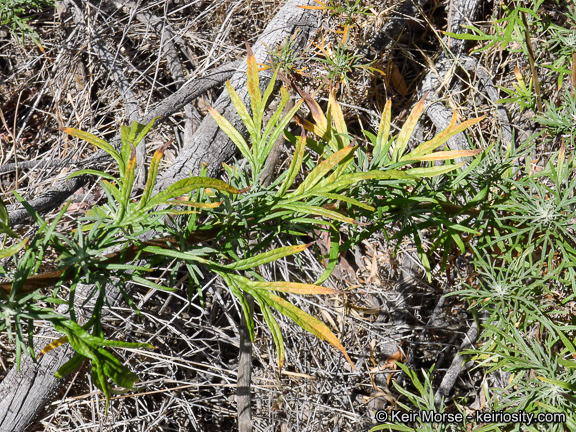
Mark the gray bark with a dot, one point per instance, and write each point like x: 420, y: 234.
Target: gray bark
x: 243, y: 396
x: 173, y: 103
x: 21, y: 393
x: 383, y: 41
x: 210, y: 144
x: 461, y: 12
x: 25, y: 392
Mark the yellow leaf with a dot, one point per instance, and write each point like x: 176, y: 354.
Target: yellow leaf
x: 253, y: 80
x: 311, y: 127
x: 53, y: 345
x: 338, y: 117
x: 321, y: 7
x: 408, y: 129
x: 384, y: 127
x: 312, y: 7
x: 307, y: 322
x: 345, y: 34
x: 397, y: 80
x: 293, y: 287
x: 445, y: 155
x: 452, y: 129
x: 317, y: 114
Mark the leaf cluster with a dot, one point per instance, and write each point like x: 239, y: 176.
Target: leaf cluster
x: 325, y: 187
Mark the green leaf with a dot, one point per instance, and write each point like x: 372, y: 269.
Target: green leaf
x: 558, y: 383
x: 243, y: 113
x: 92, y: 172
x: 280, y: 126
x: 273, y: 123
x: 266, y: 257
x: 452, y: 129
x: 143, y: 130
x: 294, y: 165
x: 187, y: 256
x: 98, y: 142
x: 339, y: 139
x: 5, y: 221
x: 152, y: 174
x: 408, y: 129
x: 433, y: 171
x: 127, y: 184
x: 253, y: 85
x: 383, y: 130
x: 184, y: 186
x: 233, y: 134
x: 150, y: 284
x: 333, y: 256
x: 344, y: 198
x: 14, y: 249
x: 234, y: 286
x: 320, y: 171
x: 104, y: 364
x: 113, y: 190
x: 4, y: 217
x: 275, y: 330
x: 270, y: 87
x: 567, y: 363
x: 70, y: 366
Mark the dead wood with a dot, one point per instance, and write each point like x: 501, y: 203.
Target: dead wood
x: 59, y: 193
x: 168, y: 51
x: 210, y: 145
x: 24, y: 393
x: 440, y: 78
x: 243, y: 385
x: 458, y: 364
x: 386, y: 37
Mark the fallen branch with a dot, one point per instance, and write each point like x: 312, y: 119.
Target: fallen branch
x: 440, y: 76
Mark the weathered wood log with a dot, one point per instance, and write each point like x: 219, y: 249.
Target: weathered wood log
x: 25, y: 392
x: 210, y: 144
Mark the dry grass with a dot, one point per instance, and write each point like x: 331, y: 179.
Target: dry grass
x: 188, y: 382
